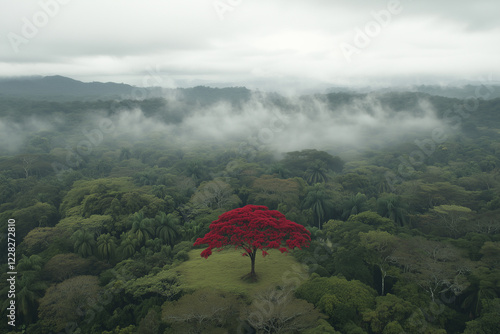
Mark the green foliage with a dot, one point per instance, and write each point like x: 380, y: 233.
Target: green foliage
x: 392, y: 207
x: 84, y: 242
x: 167, y: 227
x: 393, y: 315
x: 57, y: 307
x: 323, y: 328
x: 128, y: 330
x: 106, y: 246
x: 142, y: 228
x: 488, y: 322
x: 63, y: 266
x: 200, y: 311
x: 340, y: 299
x: 319, y: 200
x: 278, y: 311
x: 131, y: 209
x: 298, y: 162
x: 165, y: 284
x: 37, y: 215
x: 271, y: 192
x: 354, y: 205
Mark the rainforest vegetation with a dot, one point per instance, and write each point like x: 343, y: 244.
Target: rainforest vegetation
x: 400, y: 192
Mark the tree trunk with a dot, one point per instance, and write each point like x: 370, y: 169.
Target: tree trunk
x: 252, y: 258
x: 383, y: 274
x: 251, y: 276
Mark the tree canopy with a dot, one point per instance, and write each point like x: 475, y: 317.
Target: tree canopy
x: 254, y: 227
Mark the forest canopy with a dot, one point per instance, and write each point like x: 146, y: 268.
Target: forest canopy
x: 399, y: 192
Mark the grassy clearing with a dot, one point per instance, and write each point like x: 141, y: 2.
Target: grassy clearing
x: 223, y: 270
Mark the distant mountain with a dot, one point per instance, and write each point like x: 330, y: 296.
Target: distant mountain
x: 492, y: 91
x: 463, y: 92
x: 59, y: 87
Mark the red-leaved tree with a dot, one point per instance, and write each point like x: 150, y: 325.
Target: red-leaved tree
x: 254, y: 227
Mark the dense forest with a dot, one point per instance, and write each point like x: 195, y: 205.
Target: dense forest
x: 399, y: 190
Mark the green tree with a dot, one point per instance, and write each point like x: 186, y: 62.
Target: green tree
x: 201, y: 311
x: 488, y: 322
x: 337, y: 297
x: 452, y: 218
x: 63, y: 266
x: 392, y: 207
x: 167, y: 227
x: 164, y: 284
x: 299, y: 161
x: 106, y: 246
x: 125, y: 154
x: 316, y: 173
x: 84, y: 242
x: 32, y: 263
x: 484, y: 284
x: 436, y: 267
x: 391, y: 314
x: 271, y: 192
x: 67, y: 302
x: 29, y: 289
x: 353, y: 205
x: 142, y: 228
x: 128, y: 245
x: 215, y: 194
x: 319, y: 201
x: 381, y: 246
x: 278, y: 311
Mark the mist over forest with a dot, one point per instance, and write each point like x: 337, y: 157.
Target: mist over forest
x: 334, y: 122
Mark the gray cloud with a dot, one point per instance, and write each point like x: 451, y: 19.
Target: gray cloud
x: 272, y: 45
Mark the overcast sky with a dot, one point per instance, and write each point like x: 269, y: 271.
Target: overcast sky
x: 266, y: 44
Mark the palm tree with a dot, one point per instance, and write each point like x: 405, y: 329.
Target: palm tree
x: 83, y: 242
x: 128, y: 245
x: 29, y: 286
x: 125, y: 154
x: 192, y: 230
x: 167, y: 227
x: 391, y: 206
x: 32, y: 263
x: 318, y: 200
x: 279, y: 170
x: 106, y: 246
x: 317, y: 173
x: 143, y: 231
x: 196, y: 170
x: 482, y: 288
x: 141, y: 227
x: 354, y: 205
x: 29, y: 290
